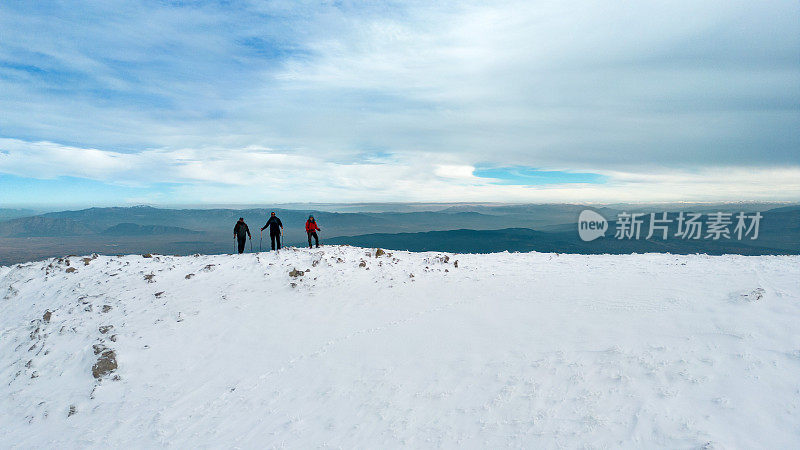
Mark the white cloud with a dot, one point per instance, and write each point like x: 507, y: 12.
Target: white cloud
x: 456, y: 172
x: 253, y: 174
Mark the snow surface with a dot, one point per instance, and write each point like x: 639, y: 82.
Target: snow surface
x: 521, y: 350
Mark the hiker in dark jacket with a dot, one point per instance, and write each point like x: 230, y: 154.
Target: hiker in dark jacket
x: 275, y: 229
x: 241, y: 232
x: 311, y: 230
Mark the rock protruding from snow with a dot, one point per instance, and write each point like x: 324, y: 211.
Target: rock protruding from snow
x: 106, y: 363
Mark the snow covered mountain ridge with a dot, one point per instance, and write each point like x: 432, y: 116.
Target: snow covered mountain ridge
x: 349, y: 347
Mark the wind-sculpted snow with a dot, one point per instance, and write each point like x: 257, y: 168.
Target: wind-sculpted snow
x: 420, y: 350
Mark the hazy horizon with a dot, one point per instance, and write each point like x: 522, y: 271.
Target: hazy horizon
x: 379, y: 206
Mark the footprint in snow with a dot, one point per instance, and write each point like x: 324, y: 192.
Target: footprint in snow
x: 750, y: 297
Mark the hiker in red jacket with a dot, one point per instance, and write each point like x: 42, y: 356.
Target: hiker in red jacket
x: 311, y: 230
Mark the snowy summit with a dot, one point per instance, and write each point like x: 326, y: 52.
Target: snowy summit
x: 358, y: 348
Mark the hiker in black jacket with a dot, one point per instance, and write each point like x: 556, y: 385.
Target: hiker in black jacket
x: 275, y: 229
x: 241, y: 232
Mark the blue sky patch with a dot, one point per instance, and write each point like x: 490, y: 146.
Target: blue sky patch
x: 73, y: 191
x: 533, y: 177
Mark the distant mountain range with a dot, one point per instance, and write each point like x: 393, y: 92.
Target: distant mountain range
x: 132, y: 229
x: 779, y: 233
x: 13, y: 213
x: 42, y: 226
x: 527, y: 240
x: 456, y: 228
x: 221, y: 221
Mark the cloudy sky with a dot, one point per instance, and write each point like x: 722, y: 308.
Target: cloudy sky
x: 533, y: 101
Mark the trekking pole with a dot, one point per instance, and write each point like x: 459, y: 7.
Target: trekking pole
x: 234, y: 245
x: 260, y: 238
x: 251, y: 244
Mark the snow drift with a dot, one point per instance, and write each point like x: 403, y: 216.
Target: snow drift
x: 342, y: 347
